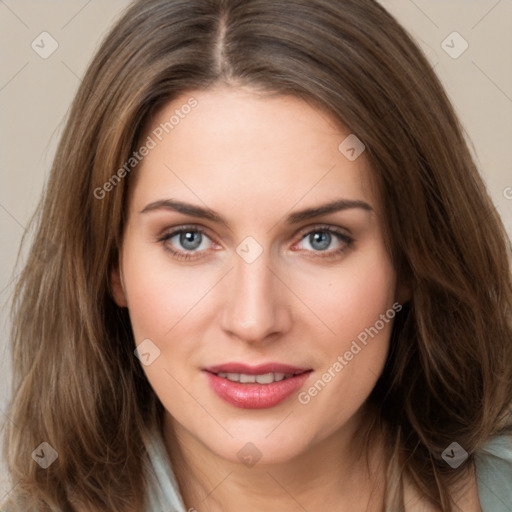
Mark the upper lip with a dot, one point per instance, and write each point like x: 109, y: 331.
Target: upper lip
x: 260, y: 369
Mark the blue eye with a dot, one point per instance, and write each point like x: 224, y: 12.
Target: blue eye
x: 190, y: 239
x: 321, y: 238
x: 188, y: 242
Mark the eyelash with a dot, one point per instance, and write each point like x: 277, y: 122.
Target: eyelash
x: 346, y: 240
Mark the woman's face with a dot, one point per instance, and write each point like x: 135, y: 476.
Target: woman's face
x: 267, y: 282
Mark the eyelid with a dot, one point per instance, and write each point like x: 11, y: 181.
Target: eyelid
x: 174, y: 230
x: 168, y: 233
x: 324, y: 227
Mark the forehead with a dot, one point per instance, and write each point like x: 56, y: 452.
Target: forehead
x: 241, y: 149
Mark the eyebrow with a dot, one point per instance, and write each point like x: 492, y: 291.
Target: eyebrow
x: 293, y: 218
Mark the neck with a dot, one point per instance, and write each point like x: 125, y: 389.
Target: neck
x: 340, y: 472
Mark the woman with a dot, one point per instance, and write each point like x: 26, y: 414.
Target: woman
x: 275, y: 280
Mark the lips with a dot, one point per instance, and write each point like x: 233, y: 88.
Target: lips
x: 256, y: 370
x: 255, y: 387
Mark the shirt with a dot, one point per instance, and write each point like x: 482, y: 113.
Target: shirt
x: 493, y: 470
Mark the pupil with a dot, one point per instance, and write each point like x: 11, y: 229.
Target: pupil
x: 190, y: 240
x: 320, y: 240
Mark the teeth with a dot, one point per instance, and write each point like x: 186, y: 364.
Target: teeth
x: 266, y: 378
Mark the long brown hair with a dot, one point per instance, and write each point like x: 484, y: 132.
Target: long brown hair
x: 78, y: 386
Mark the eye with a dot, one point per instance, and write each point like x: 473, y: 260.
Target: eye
x: 323, y: 238
x: 184, y: 242
x: 187, y: 242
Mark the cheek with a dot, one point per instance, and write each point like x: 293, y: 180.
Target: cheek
x: 163, y: 302
x: 160, y: 295
x: 351, y: 297
x: 358, y: 309
x: 342, y: 301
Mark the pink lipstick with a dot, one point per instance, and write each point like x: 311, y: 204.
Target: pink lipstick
x: 255, y: 387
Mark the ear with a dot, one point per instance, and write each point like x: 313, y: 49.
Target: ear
x: 117, y: 287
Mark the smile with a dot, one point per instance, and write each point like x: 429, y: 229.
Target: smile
x: 265, y: 378
x: 258, y: 387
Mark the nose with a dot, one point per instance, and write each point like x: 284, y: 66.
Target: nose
x: 255, y: 308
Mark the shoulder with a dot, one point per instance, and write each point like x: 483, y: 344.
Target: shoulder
x: 494, y: 474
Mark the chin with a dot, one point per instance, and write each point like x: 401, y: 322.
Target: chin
x: 262, y: 446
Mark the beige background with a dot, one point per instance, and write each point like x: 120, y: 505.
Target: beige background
x: 35, y: 94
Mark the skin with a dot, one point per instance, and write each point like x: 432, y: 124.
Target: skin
x: 255, y: 159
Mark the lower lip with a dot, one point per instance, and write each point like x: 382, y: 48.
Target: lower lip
x: 255, y: 396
